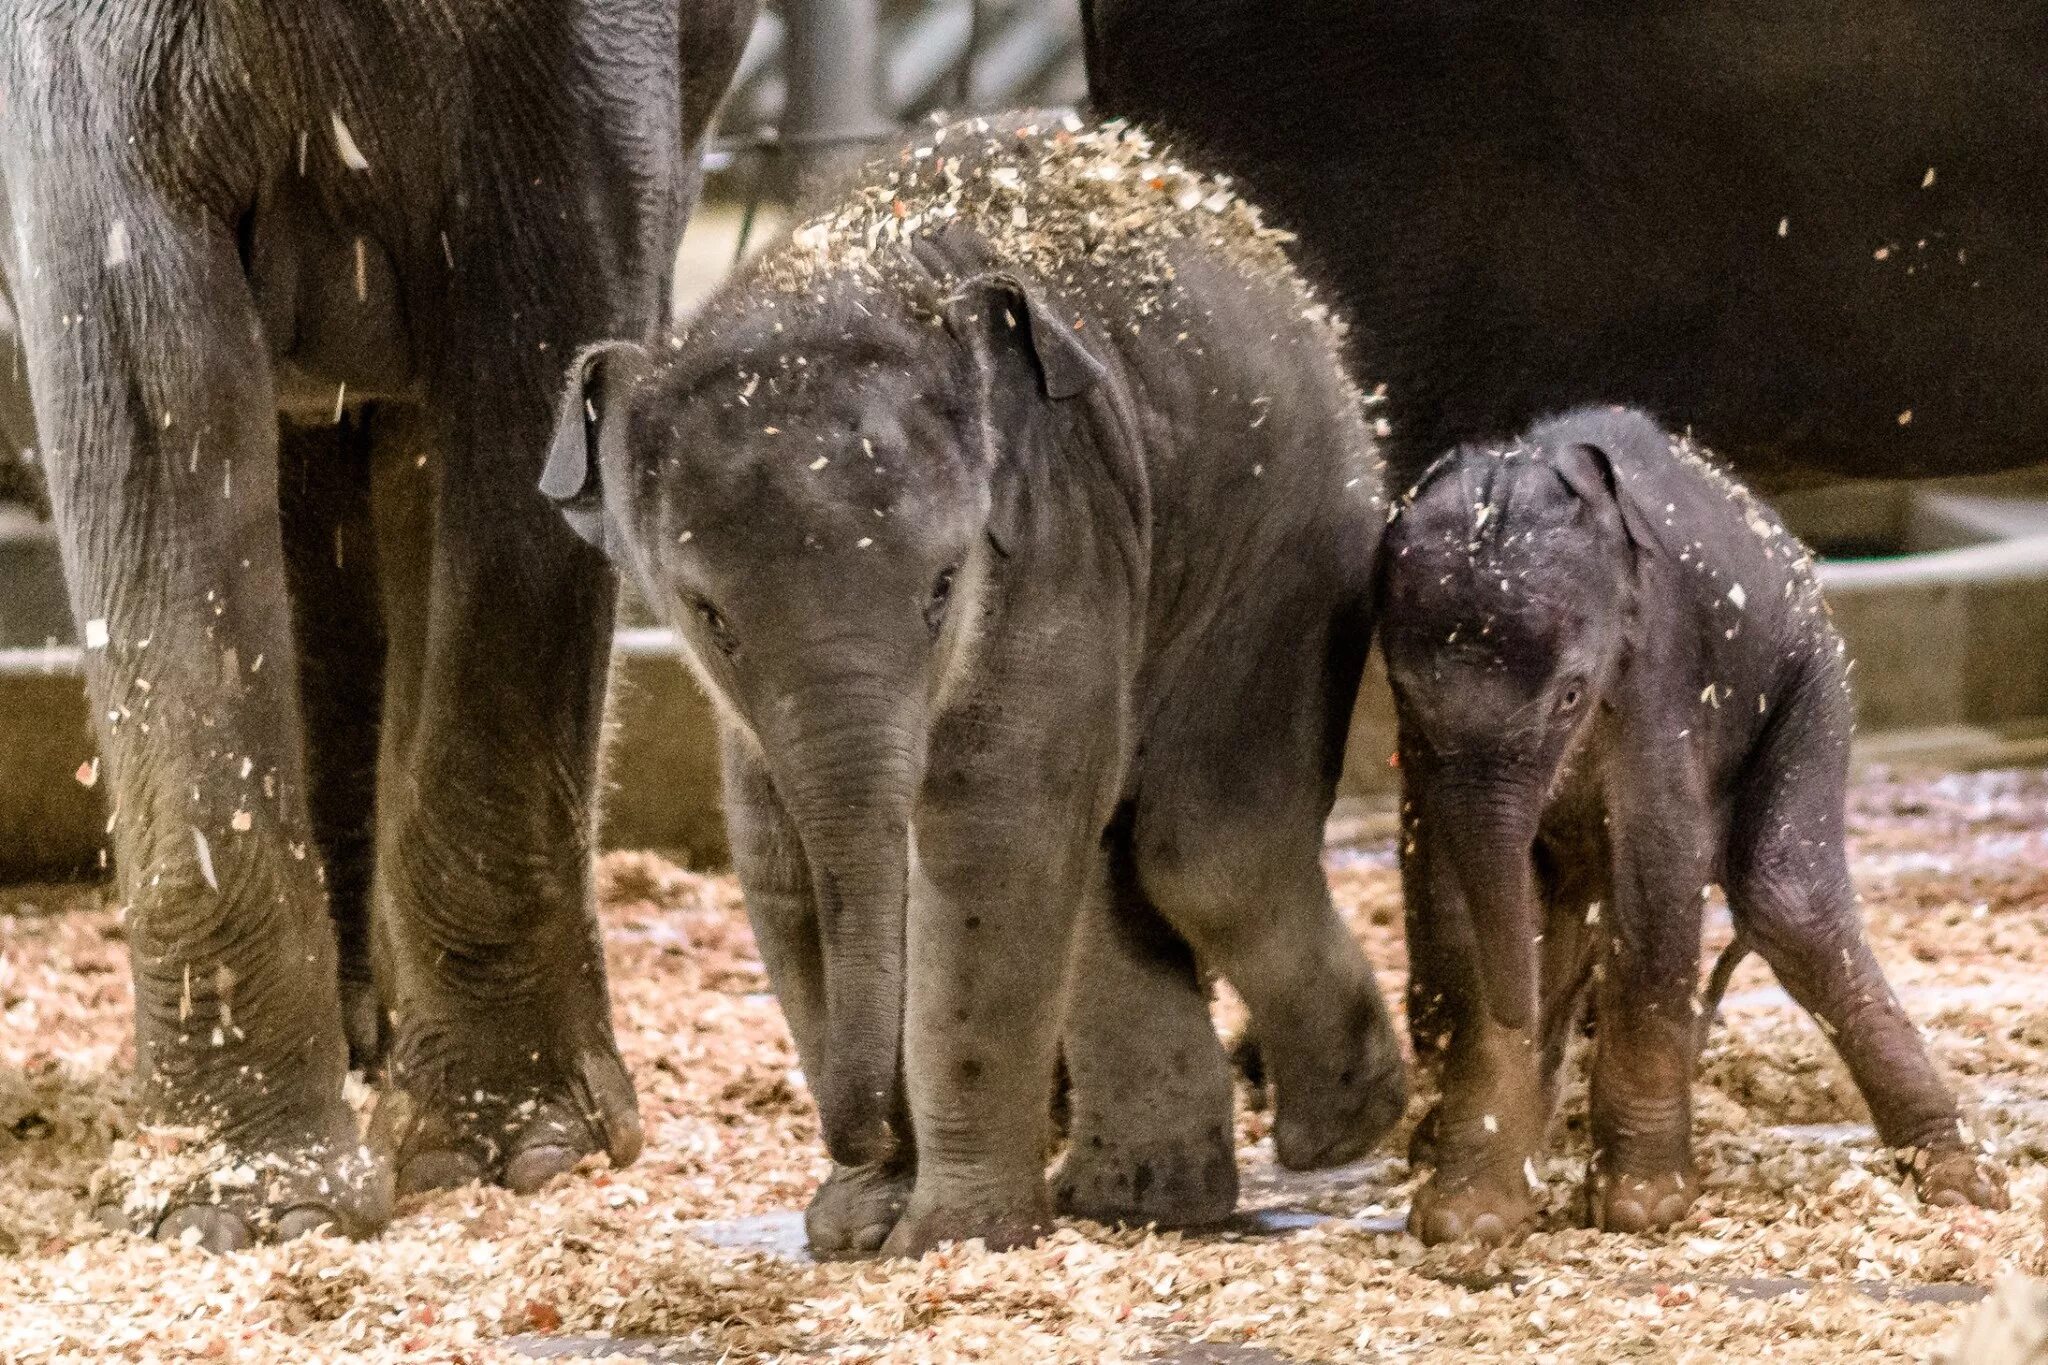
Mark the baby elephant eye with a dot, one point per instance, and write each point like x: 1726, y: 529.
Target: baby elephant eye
x: 942, y: 593
x: 714, y: 625
x: 1569, y: 699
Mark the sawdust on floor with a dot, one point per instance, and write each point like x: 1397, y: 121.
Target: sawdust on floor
x: 1955, y: 873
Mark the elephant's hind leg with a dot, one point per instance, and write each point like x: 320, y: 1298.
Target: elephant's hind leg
x: 1151, y: 1138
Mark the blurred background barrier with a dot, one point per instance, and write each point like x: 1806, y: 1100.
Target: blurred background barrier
x: 1941, y: 588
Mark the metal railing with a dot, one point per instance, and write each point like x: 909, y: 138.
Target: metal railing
x: 821, y: 81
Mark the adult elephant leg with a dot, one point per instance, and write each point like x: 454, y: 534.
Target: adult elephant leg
x: 154, y: 397
x: 330, y: 567
x: 857, y: 1206
x: 502, y: 1064
x: 1151, y: 1138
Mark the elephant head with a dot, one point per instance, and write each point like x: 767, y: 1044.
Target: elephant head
x: 1507, y: 588
x: 818, y: 492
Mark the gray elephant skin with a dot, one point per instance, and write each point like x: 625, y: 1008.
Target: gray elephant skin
x: 1809, y: 233
x: 295, y: 284
x: 1617, y: 686
x: 1019, y: 517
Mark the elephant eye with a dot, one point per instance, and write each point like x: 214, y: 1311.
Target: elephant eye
x: 1569, y: 699
x: 942, y: 593
x: 714, y: 626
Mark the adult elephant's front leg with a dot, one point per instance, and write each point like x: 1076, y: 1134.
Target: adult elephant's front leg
x: 154, y: 395
x: 502, y: 1064
x: 1004, y: 842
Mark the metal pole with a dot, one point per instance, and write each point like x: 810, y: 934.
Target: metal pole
x: 833, y: 61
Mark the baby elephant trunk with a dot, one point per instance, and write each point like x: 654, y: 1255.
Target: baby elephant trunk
x: 1491, y: 837
x: 854, y: 772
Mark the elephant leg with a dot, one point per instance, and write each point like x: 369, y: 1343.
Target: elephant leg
x: 502, y: 1063
x: 330, y: 569
x: 1439, y: 974
x: 154, y: 396
x: 1253, y: 902
x: 1004, y: 844
x: 1646, y: 1001
x: 1487, y: 1125
x: 1228, y: 840
x: 1790, y: 892
x: 856, y: 1207
x: 1573, y: 875
x: 1151, y: 1135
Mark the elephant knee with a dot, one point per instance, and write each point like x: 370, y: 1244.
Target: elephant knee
x: 1789, y: 918
x: 1196, y: 885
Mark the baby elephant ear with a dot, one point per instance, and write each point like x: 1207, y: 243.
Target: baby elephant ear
x: 1593, y: 474
x: 599, y: 378
x: 1067, y: 368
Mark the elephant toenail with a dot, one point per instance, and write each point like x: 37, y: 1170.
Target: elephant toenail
x: 1489, y: 1230
x: 1439, y: 1226
x: 211, y: 1228
x: 535, y: 1166
x: 1624, y: 1215
x: 1948, y: 1199
x: 438, y: 1171
x: 304, y: 1221
x: 870, y: 1238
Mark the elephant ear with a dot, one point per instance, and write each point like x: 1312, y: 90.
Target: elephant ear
x: 1010, y: 330
x: 1066, y: 367
x: 599, y: 378
x: 1590, y: 470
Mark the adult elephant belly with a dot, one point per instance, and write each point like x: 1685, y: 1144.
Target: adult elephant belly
x: 1812, y: 233
x: 296, y: 289
x: 333, y: 312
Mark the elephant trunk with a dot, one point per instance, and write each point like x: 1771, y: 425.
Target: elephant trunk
x: 1489, y: 827
x: 854, y: 766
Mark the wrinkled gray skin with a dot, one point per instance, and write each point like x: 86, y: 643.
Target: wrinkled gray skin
x: 1617, y: 686
x: 294, y: 283
x: 1034, y: 639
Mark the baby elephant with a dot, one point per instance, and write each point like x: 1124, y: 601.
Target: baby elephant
x: 1019, y: 517
x: 1617, y: 686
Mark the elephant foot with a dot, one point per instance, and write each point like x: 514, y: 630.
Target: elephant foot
x: 999, y: 1222
x: 513, y: 1113
x: 855, y: 1210
x: 1484, y: 1189
x: 1480, y: 1212
x: 1329, y: 1111
x: 1954, y: 1177
x: 1178, y: 1181
x: 226, y: 1193
x: 1632, y: 1202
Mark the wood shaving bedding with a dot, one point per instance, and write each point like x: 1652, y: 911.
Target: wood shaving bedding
x: 1956, y: 880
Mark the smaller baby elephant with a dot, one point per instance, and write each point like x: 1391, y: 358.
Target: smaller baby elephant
x: 1019, y: 517
x: 1617, y: 685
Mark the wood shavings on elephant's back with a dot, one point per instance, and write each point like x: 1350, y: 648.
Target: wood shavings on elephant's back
x: 1047, y: 192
